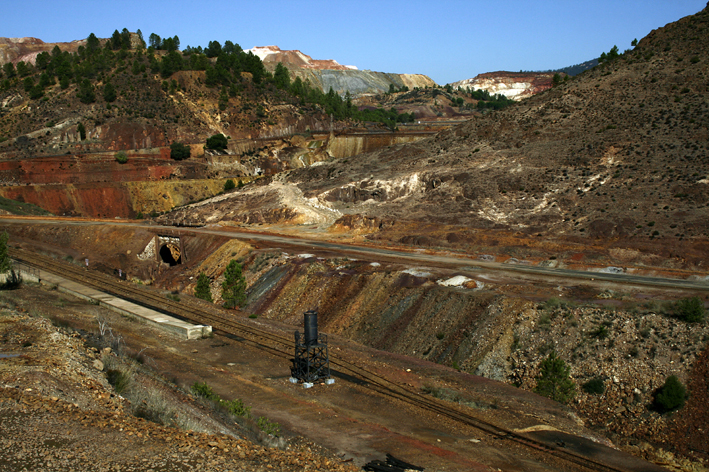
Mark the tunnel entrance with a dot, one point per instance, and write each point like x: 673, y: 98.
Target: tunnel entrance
x: 170, y: 254
x: 170, y: 250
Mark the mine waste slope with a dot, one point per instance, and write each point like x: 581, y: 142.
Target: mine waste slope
x: 614, y: 160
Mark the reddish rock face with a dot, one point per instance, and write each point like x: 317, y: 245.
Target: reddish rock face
x: 88, y: 169
x: 92, y: 185
x: 27, y: 49
x: 514, y: 85
x: 296, y: 59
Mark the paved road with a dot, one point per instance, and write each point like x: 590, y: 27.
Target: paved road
x: 373, y: 253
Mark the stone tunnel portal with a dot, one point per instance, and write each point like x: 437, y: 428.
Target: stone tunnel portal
x: 170, y: 254
x: 170, y: 250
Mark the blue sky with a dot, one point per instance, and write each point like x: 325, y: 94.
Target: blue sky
x: 447, y: 40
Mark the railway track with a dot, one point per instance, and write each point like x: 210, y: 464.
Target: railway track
x: 200, y: 312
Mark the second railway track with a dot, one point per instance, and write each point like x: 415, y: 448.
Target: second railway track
x: 222, y: 320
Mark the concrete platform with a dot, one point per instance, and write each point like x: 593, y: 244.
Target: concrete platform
x: 168, y: 323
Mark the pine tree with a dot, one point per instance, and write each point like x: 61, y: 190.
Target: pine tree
x: 234, y: 286
x: 554, y: 381
x: 109, y: 92
x: 5, y: 262
x: 202, y: 289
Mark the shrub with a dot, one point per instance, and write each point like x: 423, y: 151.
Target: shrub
x: 119, y: 379
x: 203, y: 390
x: 5, y: 261
x: 217, y: 141
x: 552, y: 304
x: 594, y: 386
x: 268, y: 427
x: 554, y: 380
x: 671, y: 395
x: 121, y: 157
x: 601, y: 332
x: 179, y: 151
x: 229, y: 185
x: 690, y: 310
x: 236, y: 407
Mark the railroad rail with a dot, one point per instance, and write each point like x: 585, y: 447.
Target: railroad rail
x: 200, y: 312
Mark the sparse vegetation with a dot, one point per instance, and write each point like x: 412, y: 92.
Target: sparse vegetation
x: 5, y: 261
x: 234, y: 407
x: 690, y: 310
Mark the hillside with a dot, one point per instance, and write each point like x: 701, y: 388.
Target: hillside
x: 614, y: 159
x: 133, y: 98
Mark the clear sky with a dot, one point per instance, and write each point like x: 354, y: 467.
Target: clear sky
x: 447, y: 40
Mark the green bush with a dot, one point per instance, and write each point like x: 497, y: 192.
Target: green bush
x: 671, y: 395
x: 229, y: 185
x: 690, y: 310
x: 552, y: 303
x: 268, y: 427
x: 203, y: 390
x: 179, y: 151
x: 234, y: 286
x: 601, y: 332
x: 121, y: 157
x: 594, y: 386
x: 236, y: 407
x: 217, y: 141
